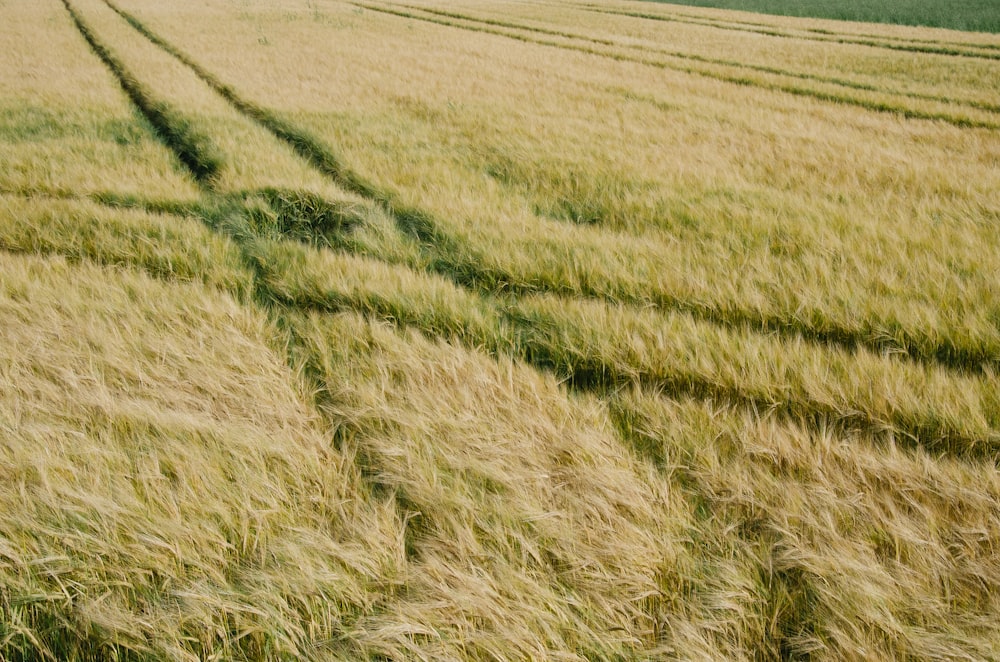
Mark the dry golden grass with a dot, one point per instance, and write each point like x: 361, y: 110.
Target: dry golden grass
x: 505, y: 484
x: 496, y: 331
x: 808, y: 543
x: 233, y: 155
x: 555, y: 171
x: 815, y: 29
x: 164, y: 245
x: 167, y: 489
x: 65, y: 127
x: 823, y: 64
x: 596, y: 345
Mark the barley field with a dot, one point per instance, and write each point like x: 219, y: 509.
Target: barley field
x: 558, y: 330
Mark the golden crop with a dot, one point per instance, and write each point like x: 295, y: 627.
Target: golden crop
x: 336, y: 329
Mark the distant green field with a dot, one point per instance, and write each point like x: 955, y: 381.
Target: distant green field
x: 974, y: 15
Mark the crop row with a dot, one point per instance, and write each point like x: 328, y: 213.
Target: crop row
x: 597, y: 344
x: 931, y: 46
x: 842, y: 299
x: 650, y: 48
x: 836, y: 92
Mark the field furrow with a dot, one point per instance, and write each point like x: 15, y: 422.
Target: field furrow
x: 985, y: 51
x: 689, y: 281
x: 838, y: 95
x: 600, y: 348
x: 931, y: 76
x: 644, y: 46
x: 66, y: 129
x: 227, y: 152
x: 544, y: 331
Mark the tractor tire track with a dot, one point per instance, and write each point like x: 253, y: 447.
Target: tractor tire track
x: 190, y: 147
x: 535, y: 344
x: 587, y: 372
x: 874, y: 106
x: 792, y: 32
x: 841, y: 82
x: 929, y: 48
x: 901, y: 343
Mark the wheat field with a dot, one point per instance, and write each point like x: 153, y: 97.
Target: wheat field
x: 559, y: 330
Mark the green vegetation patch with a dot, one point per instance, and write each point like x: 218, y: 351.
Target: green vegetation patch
x: 167, y: 246
x: 972, y: 15
x: 29, y: 122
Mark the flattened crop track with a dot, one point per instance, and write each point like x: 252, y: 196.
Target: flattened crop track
x: 423, y: 227
x: 533, y: 342
x: 986, y: 51
x: 538, y: 36
x: 983, y: 51
x: 841, y: 82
